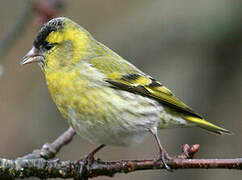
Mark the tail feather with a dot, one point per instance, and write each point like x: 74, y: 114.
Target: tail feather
x: 207, y: 125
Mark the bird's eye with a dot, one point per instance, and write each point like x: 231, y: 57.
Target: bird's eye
x: 48, y: 46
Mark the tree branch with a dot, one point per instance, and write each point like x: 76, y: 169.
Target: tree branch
x: 48, y: 150
x: 22, y: 168
x: 37, y: 164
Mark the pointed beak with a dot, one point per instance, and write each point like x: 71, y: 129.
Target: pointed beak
x: 32, y: 56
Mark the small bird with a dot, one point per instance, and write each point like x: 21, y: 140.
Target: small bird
x: 105, y: 98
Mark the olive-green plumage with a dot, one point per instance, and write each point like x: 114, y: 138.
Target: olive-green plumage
x: 104, y: 97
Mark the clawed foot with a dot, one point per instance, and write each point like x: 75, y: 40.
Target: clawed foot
x: 89, y: 159
x: 188, y: 152
x: 164, y: 157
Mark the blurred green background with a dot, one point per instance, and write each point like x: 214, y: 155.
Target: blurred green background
x: 193, y: 47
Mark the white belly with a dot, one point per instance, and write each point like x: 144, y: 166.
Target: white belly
x: 129, y: 119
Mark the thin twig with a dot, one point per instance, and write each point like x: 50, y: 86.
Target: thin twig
x: 49, y: 150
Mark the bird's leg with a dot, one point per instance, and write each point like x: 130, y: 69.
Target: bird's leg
x: 163, y: 154
x: 89, y: 159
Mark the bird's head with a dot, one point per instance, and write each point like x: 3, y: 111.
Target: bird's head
x: 60, y: 41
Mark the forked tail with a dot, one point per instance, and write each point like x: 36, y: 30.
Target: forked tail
x: 207, y: 125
